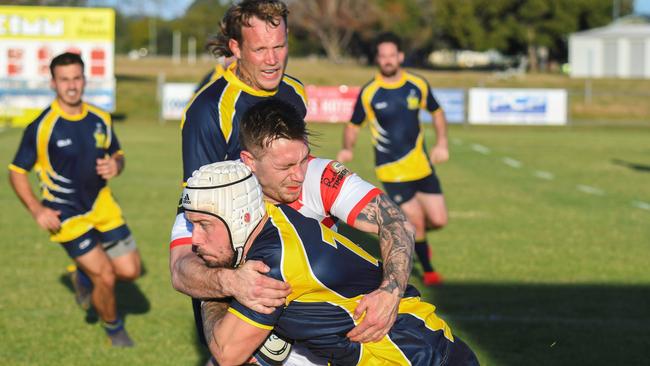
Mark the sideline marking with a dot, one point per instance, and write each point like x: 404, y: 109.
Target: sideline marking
x: 590, y: 190
x: 544, y: 175
x: 481, y: 149
x: 456, y: 141
x: 642, y: 205
x: 512, y: 162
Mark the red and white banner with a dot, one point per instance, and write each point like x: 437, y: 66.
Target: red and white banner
x: 330, y: 103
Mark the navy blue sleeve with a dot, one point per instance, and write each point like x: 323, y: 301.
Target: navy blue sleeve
x: 115, y: 143
x: 26, y: 155
x: 359, y: 113
x: 432, y: 103
x: 203, y: 141
x: 268, y: 249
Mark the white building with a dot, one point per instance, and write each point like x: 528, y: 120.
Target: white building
x: 621, y: 49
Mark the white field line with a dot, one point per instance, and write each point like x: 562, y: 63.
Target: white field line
x: 481, y: 149
x: 512, y: 162
x: 544, y: 175
x: 457, y: 141
x: 642, y: 205
x: 590, y: 190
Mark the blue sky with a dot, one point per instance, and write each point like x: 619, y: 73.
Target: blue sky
x: 642, y: 6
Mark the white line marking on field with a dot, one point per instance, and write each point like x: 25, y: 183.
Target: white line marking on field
x: 590, y: 190
x: 512, y: 162
x: 642, y: 205
x: 481, y: 149
x: 456, y: 141
x: 544, y: 175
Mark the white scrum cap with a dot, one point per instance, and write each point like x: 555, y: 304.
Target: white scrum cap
x: 229, y: 191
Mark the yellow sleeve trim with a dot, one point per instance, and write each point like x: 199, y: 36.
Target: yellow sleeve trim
x: 17, y: 169
x: 249, y: 321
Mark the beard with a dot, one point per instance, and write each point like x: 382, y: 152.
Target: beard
x: 388, y: 71
x: 212, y: 261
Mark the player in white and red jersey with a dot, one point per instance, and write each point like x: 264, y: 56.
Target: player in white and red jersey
x: 330, y: 193
x: 275, y: 147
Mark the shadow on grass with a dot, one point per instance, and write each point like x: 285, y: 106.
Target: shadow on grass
x: 129, y: 298
x: 516, y: 324
x: 634, y: 166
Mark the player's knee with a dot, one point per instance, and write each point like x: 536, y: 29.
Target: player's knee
x: 129, y: 272
x: 106, y: 278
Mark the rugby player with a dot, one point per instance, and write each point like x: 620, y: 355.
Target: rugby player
x: 391, y: 103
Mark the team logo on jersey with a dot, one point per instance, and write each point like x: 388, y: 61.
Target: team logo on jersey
x: 100, y: 136
x: 412, y: 101
x: 63, y: 142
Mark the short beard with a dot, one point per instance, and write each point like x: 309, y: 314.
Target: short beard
x: 388, y: 74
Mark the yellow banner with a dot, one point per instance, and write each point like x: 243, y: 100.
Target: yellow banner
x: 56, y: 23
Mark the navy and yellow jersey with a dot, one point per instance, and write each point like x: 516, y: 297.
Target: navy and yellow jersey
x: 63, y: 150
x: 210, y: 125
x: 393, y: 112
x: 213, y: 75
x: 328, y: 275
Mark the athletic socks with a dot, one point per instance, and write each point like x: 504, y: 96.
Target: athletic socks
x: 114, y: 326
x: 422, y: 251
x: 83, y: 278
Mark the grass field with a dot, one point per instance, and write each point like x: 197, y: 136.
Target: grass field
x: 546, y: 253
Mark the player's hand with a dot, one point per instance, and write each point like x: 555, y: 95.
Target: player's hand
x: 345, y: 155
x: 107, y: 168
x: 381, y: 311
x: 439, y: 154
x: 257, y: 291
x: 48, y: 219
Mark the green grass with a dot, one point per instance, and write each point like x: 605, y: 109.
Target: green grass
x: 538, y: 272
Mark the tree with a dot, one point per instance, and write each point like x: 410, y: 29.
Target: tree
x: 333, y: 22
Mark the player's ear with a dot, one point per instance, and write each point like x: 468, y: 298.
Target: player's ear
x: 248, y: 159
x: 234, y: 47
x: 400, y: 57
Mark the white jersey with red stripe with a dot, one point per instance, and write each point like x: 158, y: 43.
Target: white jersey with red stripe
x: 330, y: 192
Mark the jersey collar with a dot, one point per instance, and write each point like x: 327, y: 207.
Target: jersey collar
x: 232, y: 78
x: 70, y: 117
x: 392, y: 85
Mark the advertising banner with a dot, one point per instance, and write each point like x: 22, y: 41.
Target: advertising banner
x: 518, y: 106
x: 30, y: 36
x: 175, y: 97
x: 330, y: 103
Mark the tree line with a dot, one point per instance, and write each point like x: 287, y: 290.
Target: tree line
x: 339, y: 29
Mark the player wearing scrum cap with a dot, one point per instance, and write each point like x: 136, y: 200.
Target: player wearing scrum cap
x: 329, y: 274
x: 274, y: 140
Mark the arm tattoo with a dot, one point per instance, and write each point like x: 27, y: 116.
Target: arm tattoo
x: 212, y: 311
x: 395, y: 240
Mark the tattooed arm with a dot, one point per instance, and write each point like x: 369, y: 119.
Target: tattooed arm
x: 396, y: 240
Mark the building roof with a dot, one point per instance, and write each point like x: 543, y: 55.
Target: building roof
x: 630, y: 26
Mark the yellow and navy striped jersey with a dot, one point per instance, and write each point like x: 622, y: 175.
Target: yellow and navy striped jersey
x: 63, y: 149
x: 328, y: 275
x: 393, y: 112
x: 210, y: 124
x: 211, y: 76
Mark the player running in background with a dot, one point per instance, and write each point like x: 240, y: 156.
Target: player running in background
x: 391, y: 102
x: 329, y: 274
x: 75, y: 152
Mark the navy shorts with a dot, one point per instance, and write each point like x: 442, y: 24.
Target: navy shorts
x: 84, y: 243
x: 403, y: 191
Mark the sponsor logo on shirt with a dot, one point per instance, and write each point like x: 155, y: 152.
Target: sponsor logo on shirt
x: 63, y: 142
x: 381, y: 105
x: 334, y: 175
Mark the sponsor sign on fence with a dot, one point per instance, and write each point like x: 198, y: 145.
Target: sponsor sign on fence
x: 175, y: 97
x: 30, y: 36
x: 518, y: 106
